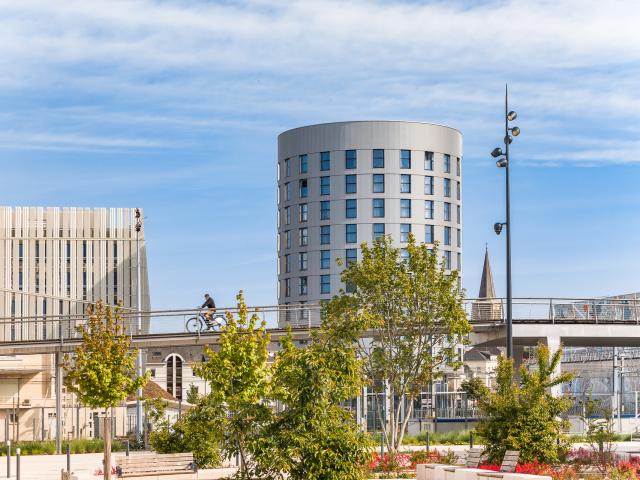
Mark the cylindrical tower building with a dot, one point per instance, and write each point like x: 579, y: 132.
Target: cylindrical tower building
x: 341, y: 184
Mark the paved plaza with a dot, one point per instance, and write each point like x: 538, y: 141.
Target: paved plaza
x: 84, y: 466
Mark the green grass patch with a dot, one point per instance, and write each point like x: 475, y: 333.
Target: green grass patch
x: 459, y: 437
x: 48, y: 447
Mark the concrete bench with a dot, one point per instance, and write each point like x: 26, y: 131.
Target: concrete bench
x: 156, y: 464
x: 439, y: 471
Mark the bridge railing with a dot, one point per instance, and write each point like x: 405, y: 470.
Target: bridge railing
x: 556, y: 310
x: 65, y: 327
x: 305, y: 315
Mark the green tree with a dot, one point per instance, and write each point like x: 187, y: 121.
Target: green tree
x: 193, y: 395
x: 198, y: 431
x: 523, y: 414
x: 474, y: 388
x: 102, y: 370
x: 239, y: 375
x: 412, y: 308
x: 312, y: 437
x: 599, y: 432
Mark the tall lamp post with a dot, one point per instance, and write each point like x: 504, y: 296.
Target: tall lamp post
x: 503, y: 162
x: 139, y: 328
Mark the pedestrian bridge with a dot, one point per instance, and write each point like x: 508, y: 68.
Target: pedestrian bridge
x: 572, y: 321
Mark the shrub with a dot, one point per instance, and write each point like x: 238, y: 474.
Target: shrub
x: 524, y: 415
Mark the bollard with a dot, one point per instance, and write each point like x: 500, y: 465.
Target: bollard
x: 427, y: 440
x: 470, y: 439
x: 17, y: 464
x: 9, y: 459
x: 126, y: 447
x: 69, y: 458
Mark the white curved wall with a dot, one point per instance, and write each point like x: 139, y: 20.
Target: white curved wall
x: 364, y: 137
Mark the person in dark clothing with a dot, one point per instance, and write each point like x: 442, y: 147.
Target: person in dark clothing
x: 210, y: 305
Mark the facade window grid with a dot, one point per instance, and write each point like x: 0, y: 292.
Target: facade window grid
x: 303, y: 214
x: 287, y: 167
x: 405, y: 159
x: 287, y: 263
x: 325, y: 234
x: 458, y: 215
x: 446, y: 211
x: 303, y: 237
x: 351, y: 233
x: 350, y: 183
x: 447, y: 259
x: 378, y: 183
x: 325, y: 161
x: 447, y: 236
x: 325, y: 259
x: 458, y: 192
x: 351, y: 208
x: 378, y: 230
x: 287, y: 191
x: 378, y: 158
x: 428, y: 160
x: 303, y: 286
x: 325, y: 284
x: 428, y: 209
x: 458, y: 166
x: 350, y: 160
x: 303, y: 188
x: 325, y: 185
x: 303, y: 163
x: 428, y: 185
x: 405, y: 208
x: 302, y: 261
x: 351, y: 256
x: 287, y: 215
x: 325, y: 210
x: 405, y: 230
x: 459, y: 239
x: 405, y: 183
x: 446, y: 186
x: 287, y: 287
x: 447, y: 163
x: 287, y: 238
x: 378, y: 207
x: 428, y: 234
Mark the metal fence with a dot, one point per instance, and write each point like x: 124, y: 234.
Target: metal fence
x: 308, y: 315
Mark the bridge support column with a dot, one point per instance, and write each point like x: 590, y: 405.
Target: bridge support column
x: 518, y: 354
x: 553, y: 343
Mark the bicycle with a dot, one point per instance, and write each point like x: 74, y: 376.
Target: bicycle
x: 200, y: 323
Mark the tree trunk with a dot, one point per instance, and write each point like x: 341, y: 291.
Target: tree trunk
x: 107, y: 447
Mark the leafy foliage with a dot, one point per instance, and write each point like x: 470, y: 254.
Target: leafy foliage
x: 313, y: 437
x: 239, y: 375
x: 474, y: 388
x: 414, y: 308
x: 524, y: 415
x: 599, y: 432
x: 192, y: 394
x: 224, y: 422
x: 102, y: 370
x: 198, y: 431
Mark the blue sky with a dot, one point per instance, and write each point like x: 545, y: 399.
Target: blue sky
x: 175, y: 106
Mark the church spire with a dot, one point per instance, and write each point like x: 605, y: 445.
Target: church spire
x: 487, y: 290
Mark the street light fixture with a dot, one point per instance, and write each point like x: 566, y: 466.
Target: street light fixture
x: 509, y: 116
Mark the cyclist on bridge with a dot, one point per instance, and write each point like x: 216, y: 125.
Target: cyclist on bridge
x: 210, y: 305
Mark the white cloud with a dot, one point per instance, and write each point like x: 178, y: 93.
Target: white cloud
x: 263, y: 64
